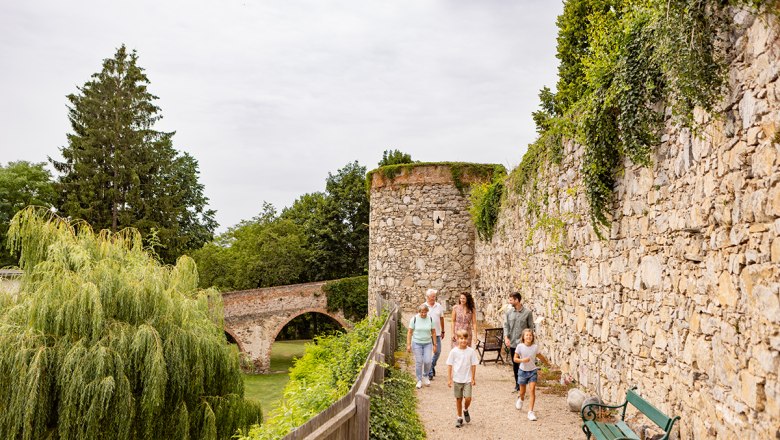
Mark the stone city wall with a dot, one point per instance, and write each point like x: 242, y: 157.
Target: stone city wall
x: 682, y: 298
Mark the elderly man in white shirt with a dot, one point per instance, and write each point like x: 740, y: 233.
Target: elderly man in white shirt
x: 436, y: 312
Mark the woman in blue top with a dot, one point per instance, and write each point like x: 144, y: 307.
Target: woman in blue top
x: 421, y: 338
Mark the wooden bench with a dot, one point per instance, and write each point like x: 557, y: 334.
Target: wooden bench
x: 494, y: 341
x: 620, y: 430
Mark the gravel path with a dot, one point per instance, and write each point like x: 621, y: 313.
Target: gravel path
x: 493, y: 414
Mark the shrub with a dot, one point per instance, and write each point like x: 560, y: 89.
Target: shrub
x: 324, y: 374
x: 349, y: 295
x: 394, y: 409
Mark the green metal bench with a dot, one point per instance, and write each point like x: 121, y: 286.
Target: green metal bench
x: 620, y: 430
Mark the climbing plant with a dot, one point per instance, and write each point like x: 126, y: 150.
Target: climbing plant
x: 102, y: 341
x: 486, y: 205
x: 623, y: 63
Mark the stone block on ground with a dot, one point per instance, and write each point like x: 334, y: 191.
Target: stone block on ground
x: 574, y: 399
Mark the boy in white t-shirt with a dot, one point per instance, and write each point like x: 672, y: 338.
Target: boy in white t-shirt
x: 462, y: 370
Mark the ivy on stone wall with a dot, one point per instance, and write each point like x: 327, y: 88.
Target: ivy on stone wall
x: 624, y: 63
x: 486, y: 205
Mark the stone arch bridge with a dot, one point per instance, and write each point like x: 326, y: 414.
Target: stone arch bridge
x: 254, y: 317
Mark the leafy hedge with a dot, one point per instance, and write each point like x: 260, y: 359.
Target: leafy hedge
x: 323, y: 375
x: 394, y: 404
x: 349, y: 295
x: 394, y: 409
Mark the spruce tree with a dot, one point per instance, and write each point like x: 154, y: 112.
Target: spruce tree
x: 118, y: 171
x: 104, y: 342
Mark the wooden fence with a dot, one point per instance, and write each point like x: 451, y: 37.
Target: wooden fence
x: 348, y: 417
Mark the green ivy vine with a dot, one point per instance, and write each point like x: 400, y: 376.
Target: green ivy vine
x: 486, y: 205
x: 624, y: 63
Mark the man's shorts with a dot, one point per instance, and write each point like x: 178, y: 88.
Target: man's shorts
x: 462, y: 390
x: 524, y: 377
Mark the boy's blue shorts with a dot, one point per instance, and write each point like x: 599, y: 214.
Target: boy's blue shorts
x: 524, y: 377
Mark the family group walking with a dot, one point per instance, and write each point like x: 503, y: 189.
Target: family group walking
x: 426, y: 333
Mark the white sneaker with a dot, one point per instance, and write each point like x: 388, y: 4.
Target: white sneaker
x: 519, y: 403
x: 532, y: 416
x: 419, y: 384
x: 426, y: 381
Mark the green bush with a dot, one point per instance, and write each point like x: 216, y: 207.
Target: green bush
x: 394, y: 409
x: 349, y: 295
x: 323, y: 375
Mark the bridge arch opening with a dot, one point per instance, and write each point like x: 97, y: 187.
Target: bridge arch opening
x: 291, y: 333
x: 308, y: 325
x: 231, y: 338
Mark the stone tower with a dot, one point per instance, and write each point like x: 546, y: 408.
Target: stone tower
x: 421, y: 234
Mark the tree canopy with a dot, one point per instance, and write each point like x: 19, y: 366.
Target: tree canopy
x: 336, y: 225
x: 262, y: 252
x: 104, y: 342
x: 21, y: 184
x: 322, y: 236
x: 118, y: 171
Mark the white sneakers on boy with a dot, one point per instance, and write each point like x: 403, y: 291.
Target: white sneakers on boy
x: 426, y: 381
x: 419, y: 384
x: 519, y: 403
x: 532, y: 416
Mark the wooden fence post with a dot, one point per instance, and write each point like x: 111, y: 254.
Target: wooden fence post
x: 362, y: 415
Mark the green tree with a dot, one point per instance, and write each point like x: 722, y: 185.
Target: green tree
x: 119, y: 172
x: 104, y: 342
x: 394, y: 157
x: 21, y: 184
x: 336, y: 225
x: 265, y: 251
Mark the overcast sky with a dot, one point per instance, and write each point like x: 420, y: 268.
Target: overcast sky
x: 271, y: 96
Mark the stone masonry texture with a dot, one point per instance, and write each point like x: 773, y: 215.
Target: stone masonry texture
x: 421, y: 237
x: 682, y: 296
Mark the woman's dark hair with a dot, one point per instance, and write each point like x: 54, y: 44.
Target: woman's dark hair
x: 469, y: 302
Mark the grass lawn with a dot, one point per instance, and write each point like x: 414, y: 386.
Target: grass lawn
x: 267, y: 388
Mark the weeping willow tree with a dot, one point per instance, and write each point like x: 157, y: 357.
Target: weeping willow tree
x: 103, y: 342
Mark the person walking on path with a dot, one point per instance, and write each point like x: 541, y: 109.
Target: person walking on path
x: 516, y: 320
x: 436, y: 313
x: 464, y: 317
x: 462, y: 370
x: 525, y: 355
x: 421, y: 338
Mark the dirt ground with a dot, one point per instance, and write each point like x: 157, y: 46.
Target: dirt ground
x: 493, y: 413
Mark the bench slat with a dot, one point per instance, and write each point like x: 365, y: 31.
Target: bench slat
x: 652, y: 413
x: 609, y: 431
x: 595, y: 429
x: 626, y: 431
